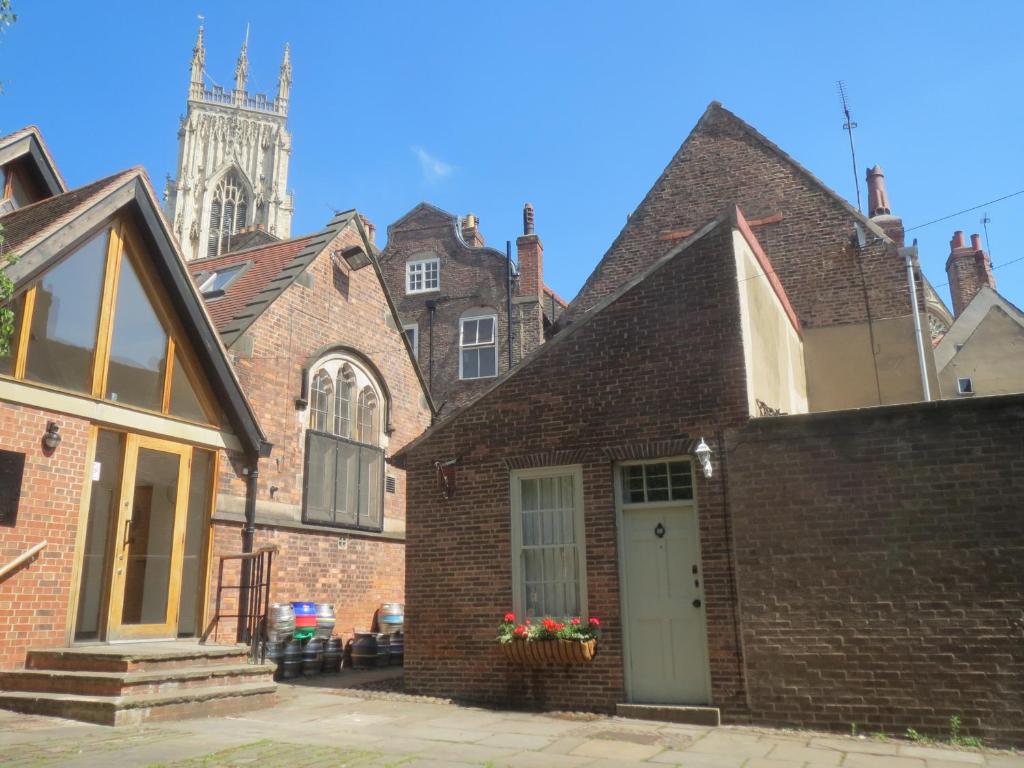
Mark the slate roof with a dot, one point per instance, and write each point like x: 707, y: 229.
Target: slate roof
x: 272, y: 268
x: 35, y: 146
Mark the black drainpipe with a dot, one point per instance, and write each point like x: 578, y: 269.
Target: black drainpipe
x: 508, y: 292
x: 431, y: 308
x: 248, y: 538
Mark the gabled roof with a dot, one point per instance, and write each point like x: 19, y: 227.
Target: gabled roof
x: 28, y: 144
x: 973, y: 315
x: 45, y: 231
x: 732, y: 217
x: 626, y: 255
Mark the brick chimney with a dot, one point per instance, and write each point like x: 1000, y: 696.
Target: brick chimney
x: 530, y: 254
x: 471, y: 231
x: 879, y: 209
x: 371, y: 229
x: 969, y: 268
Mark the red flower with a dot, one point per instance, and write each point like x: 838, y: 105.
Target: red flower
x: 595, y: 622
x: 576, y: 621
x: 519, y: 631
x: 510, y: 617
x: 528, y: 622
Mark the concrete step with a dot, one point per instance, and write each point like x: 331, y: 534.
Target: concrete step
x: 134, y: 709
x: 671, y: 713
x: 90, y: 683
x: 135, y: 656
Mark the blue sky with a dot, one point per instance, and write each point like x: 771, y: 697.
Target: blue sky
x: 576, y: 107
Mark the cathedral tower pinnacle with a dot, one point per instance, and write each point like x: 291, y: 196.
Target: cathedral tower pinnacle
x: 233, y: 153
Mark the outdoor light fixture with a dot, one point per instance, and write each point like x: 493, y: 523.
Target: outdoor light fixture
x: 703, y: 454
x: 355, y: 257
x: 52, y: 437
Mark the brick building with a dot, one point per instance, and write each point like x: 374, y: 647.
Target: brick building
x: 316, y: 342
x: 741, y: 287
x: 117, y: 405
x: 454, y: 295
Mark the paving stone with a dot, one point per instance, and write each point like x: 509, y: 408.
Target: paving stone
x: 797, y: 754
x: 616, y: 750
x: 767, y: 762
x: 938, y: 753
x: 1005, y: 760
x: 731, y: 745
x: 860, y: 760
x: 442, y: 734
x: 478, y: 754
x: 516, y: 741
x: 563, y: 745
x: 863, y: 746
x: 542, y: 760
x: 697, y: 760
x: 538, y: 726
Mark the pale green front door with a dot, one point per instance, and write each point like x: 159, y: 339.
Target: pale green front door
x: 667, y: 660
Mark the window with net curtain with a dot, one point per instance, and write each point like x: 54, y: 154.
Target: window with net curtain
x: 344, y: 460
x: 228, y: 213
x: 548, y: 558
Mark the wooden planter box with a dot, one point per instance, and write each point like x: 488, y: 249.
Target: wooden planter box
x: 538, y: 653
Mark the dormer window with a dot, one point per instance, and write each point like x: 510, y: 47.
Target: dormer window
x: 423, y: 275
x: 964, y: 386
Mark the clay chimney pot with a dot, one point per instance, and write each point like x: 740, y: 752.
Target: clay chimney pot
x: 976, y: 242
x: 958, y: 240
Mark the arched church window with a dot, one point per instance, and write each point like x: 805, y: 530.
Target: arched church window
x: 228, y: 213
x: 344, y: 468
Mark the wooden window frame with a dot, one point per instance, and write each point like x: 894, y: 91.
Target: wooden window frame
x: 124, y: 240
x: 463, y: 346
x: 579, y: 530
x: 310, y: 433
x: 422, y: 264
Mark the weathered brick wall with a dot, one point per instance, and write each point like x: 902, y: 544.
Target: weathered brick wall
x: 880, y: 563
x: 470, y: 279
x: 34, y: 599
x: 338, y: 307
x: 356, y: 576
x: 599, y: 392
x: 807, y: 233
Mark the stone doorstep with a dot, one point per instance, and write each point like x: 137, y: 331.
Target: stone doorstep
x: 128, y: 658
x: 130, y: 710
x: 671, y: 713
x: 91, y: 683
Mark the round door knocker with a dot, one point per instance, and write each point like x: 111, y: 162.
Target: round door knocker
x: 659, y: 530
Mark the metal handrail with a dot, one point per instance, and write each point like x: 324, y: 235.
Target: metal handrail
x: 253, y: 597
x: 23, y: 558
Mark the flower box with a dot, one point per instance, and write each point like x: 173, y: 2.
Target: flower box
x: 539, y: 653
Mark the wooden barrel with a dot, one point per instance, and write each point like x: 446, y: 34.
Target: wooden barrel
x: 364, y: 650
x: 312, y: 657
x: 291, y: 660
x: 324, y: 620
x: 391, y: 617
x: 332, y: 655
x: 397, y: 649
x: 383, y: 649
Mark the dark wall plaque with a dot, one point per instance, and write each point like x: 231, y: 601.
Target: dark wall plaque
x: 12, y: 468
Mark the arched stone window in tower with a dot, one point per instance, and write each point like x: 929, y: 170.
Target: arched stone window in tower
x: 228, y: 213
x: 343, y: 401
x: 368, y: 416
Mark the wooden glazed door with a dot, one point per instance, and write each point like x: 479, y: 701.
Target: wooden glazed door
x: 149, y: 540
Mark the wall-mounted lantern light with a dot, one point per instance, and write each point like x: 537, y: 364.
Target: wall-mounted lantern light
x: 703, y: 454
x: 355, y: 257
x: 51, y: 439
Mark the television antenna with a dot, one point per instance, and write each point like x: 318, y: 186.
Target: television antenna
x: 985, y: 221
x: 848, y: 126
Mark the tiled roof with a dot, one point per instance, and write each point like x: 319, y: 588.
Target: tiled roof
x: 23, y: 225
x: 31, y: 130
x: 272, y: 269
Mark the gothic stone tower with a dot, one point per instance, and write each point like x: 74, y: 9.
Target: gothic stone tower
x: 233, y: 150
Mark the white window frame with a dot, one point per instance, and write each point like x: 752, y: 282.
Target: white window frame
x: 579, y: 530
x: 235, y: 270
x: 415, y: 328
x: 421, y: 264
x: 493, y: 343
x: 969, y: 389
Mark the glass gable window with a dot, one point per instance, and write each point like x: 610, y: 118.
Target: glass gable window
x: 422, y: 276
x: 478, y: 348
x: 16, y: 307
x: 344, y: 465
x: 657, y: 481
x: 184, y: 400
x: 138, y: 349
x: 65, y: 317
x: 549, y: 568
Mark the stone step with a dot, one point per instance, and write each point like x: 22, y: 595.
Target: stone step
x: 671, y: 713
x: 89, y: 683
x: 139, y: 656
x: 134, y: 709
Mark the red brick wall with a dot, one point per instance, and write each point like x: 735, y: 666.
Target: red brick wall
x: 470, y: 279
x: 722, y: 164
x: 880, y: 563
x: 598, y: 392
x: 34, y: 599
